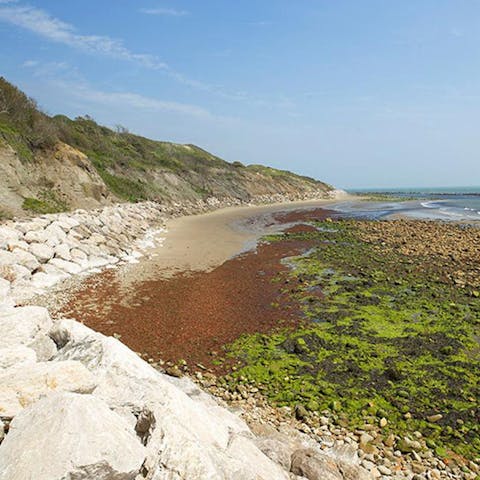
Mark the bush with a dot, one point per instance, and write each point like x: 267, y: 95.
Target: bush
x: 22, y: 113
x: 49, y: 203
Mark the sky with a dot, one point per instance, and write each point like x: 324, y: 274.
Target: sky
x: 371, y: 93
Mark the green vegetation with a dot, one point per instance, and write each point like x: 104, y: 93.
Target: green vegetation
x: 134, y: 168
x: 22, y: 125
x: 383, y: 336
x: 274, y: 172
x: 48, y: 203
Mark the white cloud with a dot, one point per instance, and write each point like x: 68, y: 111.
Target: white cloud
x: 68, y: 80
x: 136, y: 101
x: 43, y: 24
x: 165, y: 11
x: 261, y: 23
x: 30, y: 63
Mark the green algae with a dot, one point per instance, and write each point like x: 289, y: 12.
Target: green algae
x: 386, y: 337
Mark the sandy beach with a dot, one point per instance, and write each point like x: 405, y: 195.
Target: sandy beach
x: 202, y: 289
x: 202, y: 242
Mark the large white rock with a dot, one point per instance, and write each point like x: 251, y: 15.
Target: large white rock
x: 68, y: 267
x: 14, y: 272
x: 189, y: 439
x: 62, y: 251
x: 37, y: 236
x: 66, y: 222
x: 4, y: 289
x: 7, y: 258
x: 78, y: 255
x: 16, y: 355
x: 22, y: 324
x: 44, y: 347
x: 7, y: 235
x: 43, y: 252
x: 25, y: 258
x: 23, y: 384
x: 43, y: 280
x: 31, y: 225
x: 67, y: 436
x: 56, y: 232
x: 17, y: 244
x: 98, y: 262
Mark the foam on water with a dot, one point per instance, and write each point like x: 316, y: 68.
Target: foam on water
x: 447, y: 206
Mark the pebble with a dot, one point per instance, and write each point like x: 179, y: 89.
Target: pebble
x: 381, y: 461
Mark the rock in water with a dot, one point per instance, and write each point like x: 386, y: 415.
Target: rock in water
x: 70, y: 436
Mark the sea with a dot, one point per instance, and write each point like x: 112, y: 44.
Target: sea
x: 448, y: 204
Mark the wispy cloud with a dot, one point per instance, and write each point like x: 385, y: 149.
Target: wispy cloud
x: 172, y: 12
x: 30, y: 63
x: 70, y: 82
x: 260, y: 23
x: 51, y: 28
x: 136, y: 101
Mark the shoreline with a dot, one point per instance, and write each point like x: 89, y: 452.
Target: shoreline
x: 193, y: 325
x: 195, y: 312
x: 252, y: 306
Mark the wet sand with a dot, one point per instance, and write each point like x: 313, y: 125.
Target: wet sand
x: 195, y: 295
x: 202, y: 242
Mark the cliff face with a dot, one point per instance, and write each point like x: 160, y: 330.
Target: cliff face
x: 50, y: 164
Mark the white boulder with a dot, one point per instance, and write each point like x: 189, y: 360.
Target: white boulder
x: 14, y: 272
x: 4, y: 289
x: 19, y: 326
x: 42, y: 251
x: 43, y: 280
x: 16, y: 355
x: 62, y: 251
x: 25, y: 258
x: 37, y: 236
x: 70, y: 436
x: 8, y: 234
x: 69, y: 267
x: 189, y: 439
x: 23, y: 385
x: 44, y: 347
x: 7, y: 258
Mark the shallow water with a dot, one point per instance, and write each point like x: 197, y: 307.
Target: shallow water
x: 463, y: 207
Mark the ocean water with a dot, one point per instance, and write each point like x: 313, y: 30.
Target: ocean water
x: 449, y: 204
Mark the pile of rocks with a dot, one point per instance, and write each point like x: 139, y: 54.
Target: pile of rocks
x: 450, y: 249
x: 37, y: 253
x: 383, y: 455
x: 76, y: 404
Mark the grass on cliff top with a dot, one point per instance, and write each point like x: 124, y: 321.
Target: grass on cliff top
x: 389, y: 339
x: 133, y: 167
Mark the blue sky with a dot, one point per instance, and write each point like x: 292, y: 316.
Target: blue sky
x: 357, y: 93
